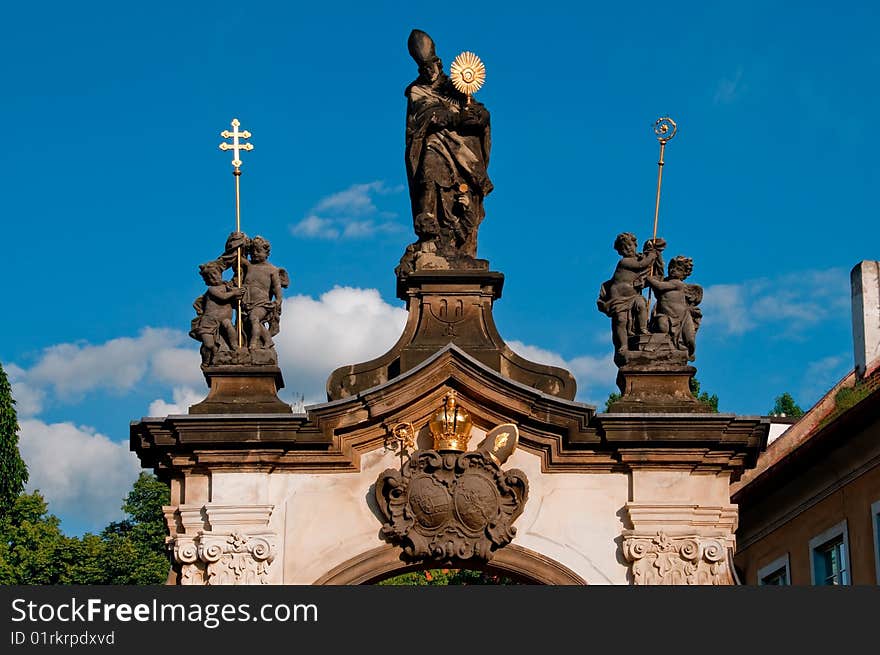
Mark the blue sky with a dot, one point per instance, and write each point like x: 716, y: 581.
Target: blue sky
x: 115, y: 191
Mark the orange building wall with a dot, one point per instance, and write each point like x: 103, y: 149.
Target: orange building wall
x: 851, y: 502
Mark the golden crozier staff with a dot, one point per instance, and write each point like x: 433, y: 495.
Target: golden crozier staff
x: 237, y: 146
x: 665, y: 128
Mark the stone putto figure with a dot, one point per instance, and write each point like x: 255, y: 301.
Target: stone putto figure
x: 447, y: 154
x: 212, y: 325
x: 263, y: 283
x: 621, y: 297
x: 677, y: 313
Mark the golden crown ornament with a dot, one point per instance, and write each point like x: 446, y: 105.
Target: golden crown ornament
x: 451, y: 425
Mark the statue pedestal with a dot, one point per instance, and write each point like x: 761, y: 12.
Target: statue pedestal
x: 662, y: 390
x: 450, y: 306
x: 242, y: 390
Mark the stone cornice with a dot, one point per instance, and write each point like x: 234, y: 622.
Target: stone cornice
x: 568, y: 436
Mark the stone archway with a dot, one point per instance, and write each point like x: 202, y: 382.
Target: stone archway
x: 513, y: 560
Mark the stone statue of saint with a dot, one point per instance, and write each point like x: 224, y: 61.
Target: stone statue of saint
x: 621, y: 297
x: 212, y: 325
x: 447, y: 154
x: 676, y: 313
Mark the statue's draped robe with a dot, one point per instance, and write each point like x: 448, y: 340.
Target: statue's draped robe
x: 439, y: 159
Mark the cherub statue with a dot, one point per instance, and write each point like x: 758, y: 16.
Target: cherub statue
x: 263, y: 283
x: 676, y: 312
x: 213, y: 325
x: 621, y: 297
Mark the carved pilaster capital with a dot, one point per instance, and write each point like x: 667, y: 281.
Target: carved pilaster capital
x: 225, y: 558
x: 660, y: 559
x: 184, y: 550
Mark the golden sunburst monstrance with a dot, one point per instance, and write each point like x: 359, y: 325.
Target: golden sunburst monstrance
x: 467, y: 73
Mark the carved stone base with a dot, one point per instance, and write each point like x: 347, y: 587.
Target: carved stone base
x: 242, y: 390
x: 450, y: 306
x: 424, y: 256
x: 244, y: 356
x: 652, y: 352
x: 666, y: 389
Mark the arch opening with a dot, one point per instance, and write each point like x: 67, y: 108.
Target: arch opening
x: 521, y: 565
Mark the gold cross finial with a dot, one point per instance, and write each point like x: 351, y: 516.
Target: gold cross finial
x: 237, y: 144
x: 236, y: 147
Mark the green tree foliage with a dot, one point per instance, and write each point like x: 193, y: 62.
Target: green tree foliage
x: 703, y: 397
x: 134, y: 549
x: 786, y: 406
x: 33, y: 550
x: 13, y: 472
x: 447, y: 577
x: 613, y: 397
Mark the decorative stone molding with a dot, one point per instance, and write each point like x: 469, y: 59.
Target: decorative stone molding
x: 679, y: 560
x: 221, y: 544
x: 568, y: 436
x: 236, y: 558
x: 678, y: 518
x: 224, y: 559
x: 450, y: 307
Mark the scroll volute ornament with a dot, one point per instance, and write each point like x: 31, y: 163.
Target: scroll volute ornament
x: 445, y: 504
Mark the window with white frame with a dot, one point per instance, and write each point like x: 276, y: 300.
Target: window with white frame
x: 775, y: 573
x: 875, y: 521
x: 829, y: 556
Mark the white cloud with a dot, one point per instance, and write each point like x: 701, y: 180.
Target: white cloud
x: 725, y: 305
x: 83, y: 474
x: 797, y: 300
x: 182, y: 399
x: 348, y: 214
x: 594, y: 370
x: 729, y: 89
x: 344, y: 326
x: 28, y: 400
x: 70, y: 370
x: 537, y: 354
x: 118, y: 364
x: 316, y: 227
x: 362, y: 229
x: 595, y: 374
x: 181, y: 366
x: 355, y: 200
x: 823, y: 374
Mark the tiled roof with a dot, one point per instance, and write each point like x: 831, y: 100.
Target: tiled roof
x: 825, y: 412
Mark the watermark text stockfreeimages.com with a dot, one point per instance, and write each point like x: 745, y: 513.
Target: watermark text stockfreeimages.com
x: 208, y: 615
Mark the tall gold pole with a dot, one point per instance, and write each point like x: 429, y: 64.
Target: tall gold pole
x: 665, y: 129
x: 237, y: 146
x: 237, y: 174
x: 659, y: 183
